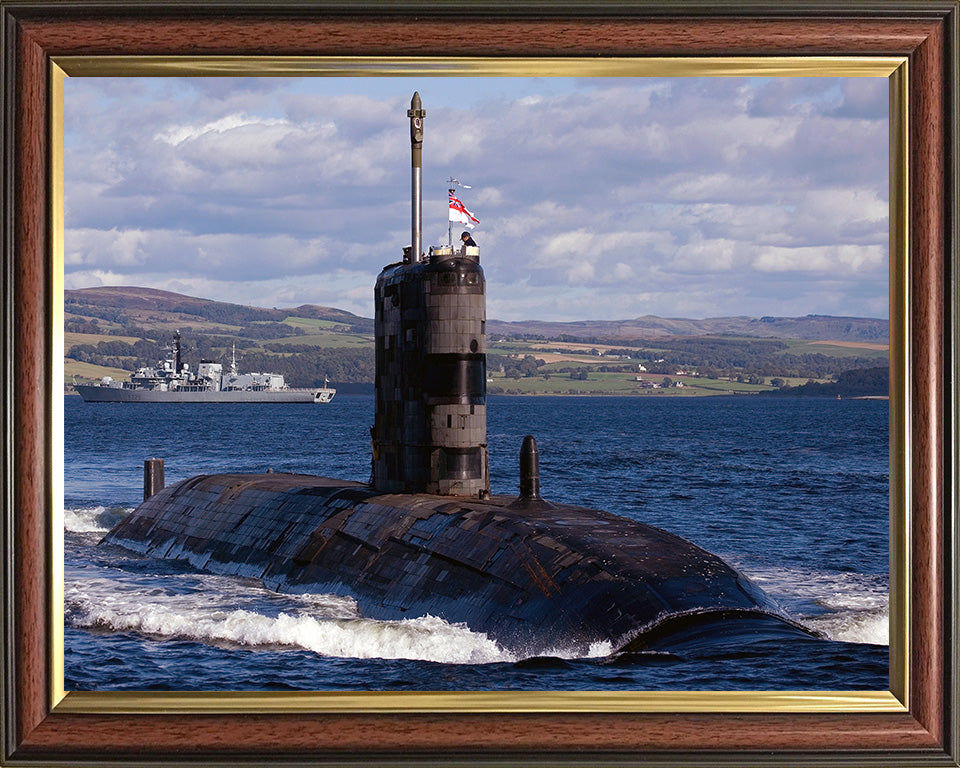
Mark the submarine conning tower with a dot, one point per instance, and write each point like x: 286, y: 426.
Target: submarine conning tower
x: 430, y: 427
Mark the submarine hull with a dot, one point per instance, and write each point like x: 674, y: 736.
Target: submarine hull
x: 534, y: 577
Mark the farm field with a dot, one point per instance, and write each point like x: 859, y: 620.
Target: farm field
x: 112, y: 331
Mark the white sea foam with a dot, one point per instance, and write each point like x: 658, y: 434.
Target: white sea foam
x: 324, y: 624
x: 596, y: 650
x: 871, y: 627
x: 850, y: 607
x: 216, y: 609
x: 97, y: 519
x: 600, y: 649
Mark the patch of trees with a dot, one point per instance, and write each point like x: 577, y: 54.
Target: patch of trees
x: 129, y: 329
x: 308, y: 369
x: 83, y: 326
x: 227, y: 314
x: 514, y: 367
x: 289, y: 349
x: 616, y: 368
x: 817, y: 365
x: 110, y: 314
x: 864, y: 382
x: 269, y: 331
x: 116, y: 354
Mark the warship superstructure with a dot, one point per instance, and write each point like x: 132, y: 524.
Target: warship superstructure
x: 172, y: 381
x: 426, y: 536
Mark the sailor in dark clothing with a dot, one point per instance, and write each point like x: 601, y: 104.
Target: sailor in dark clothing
x: 466, y: 239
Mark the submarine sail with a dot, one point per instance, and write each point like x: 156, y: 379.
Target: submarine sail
x: 426, y: 536
x: 430, y: 429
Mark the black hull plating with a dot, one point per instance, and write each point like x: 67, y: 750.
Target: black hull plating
x: 534, y: 577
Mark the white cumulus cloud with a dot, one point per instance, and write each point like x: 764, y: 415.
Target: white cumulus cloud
x: 598, y: 196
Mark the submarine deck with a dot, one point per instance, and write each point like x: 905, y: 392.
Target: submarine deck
x: 535, y: 576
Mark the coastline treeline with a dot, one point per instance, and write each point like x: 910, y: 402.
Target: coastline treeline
x: 866, y: 382
x: 304, y: 365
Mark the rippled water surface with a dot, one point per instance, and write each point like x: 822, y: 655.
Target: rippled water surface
x: 793, y: 492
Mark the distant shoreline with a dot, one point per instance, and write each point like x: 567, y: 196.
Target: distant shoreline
x: 685, y: 396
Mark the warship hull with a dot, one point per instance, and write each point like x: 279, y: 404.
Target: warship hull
x: 95, y: 393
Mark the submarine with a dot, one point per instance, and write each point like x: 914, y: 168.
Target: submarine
x: 425, y: 536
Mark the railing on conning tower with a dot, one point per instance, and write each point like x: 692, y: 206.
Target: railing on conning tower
x: 444, y: 252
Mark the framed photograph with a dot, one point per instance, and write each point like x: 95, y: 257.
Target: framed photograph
x: 915, y: 719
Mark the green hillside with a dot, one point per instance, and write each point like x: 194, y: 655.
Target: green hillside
x: 112, y: 331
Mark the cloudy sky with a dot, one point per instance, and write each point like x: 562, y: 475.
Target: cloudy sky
x: 597, y: 198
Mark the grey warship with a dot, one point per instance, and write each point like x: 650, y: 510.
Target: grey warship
x: 172, y: 381
x: 425, y: 535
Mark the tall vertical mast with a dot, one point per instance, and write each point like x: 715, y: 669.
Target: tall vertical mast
x: 449, y: 222
x: 416, y: 114
x: 177, y: 364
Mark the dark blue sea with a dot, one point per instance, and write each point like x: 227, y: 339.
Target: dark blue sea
x: 793, y: 492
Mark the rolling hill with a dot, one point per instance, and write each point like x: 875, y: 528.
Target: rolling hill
x: 152, y: 305
x: 110, y: 330
x: 811, y: 327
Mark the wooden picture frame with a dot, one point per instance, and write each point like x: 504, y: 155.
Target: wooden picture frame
x: 39, y: 728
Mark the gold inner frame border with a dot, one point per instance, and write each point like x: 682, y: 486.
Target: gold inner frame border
x: 893, y: 700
